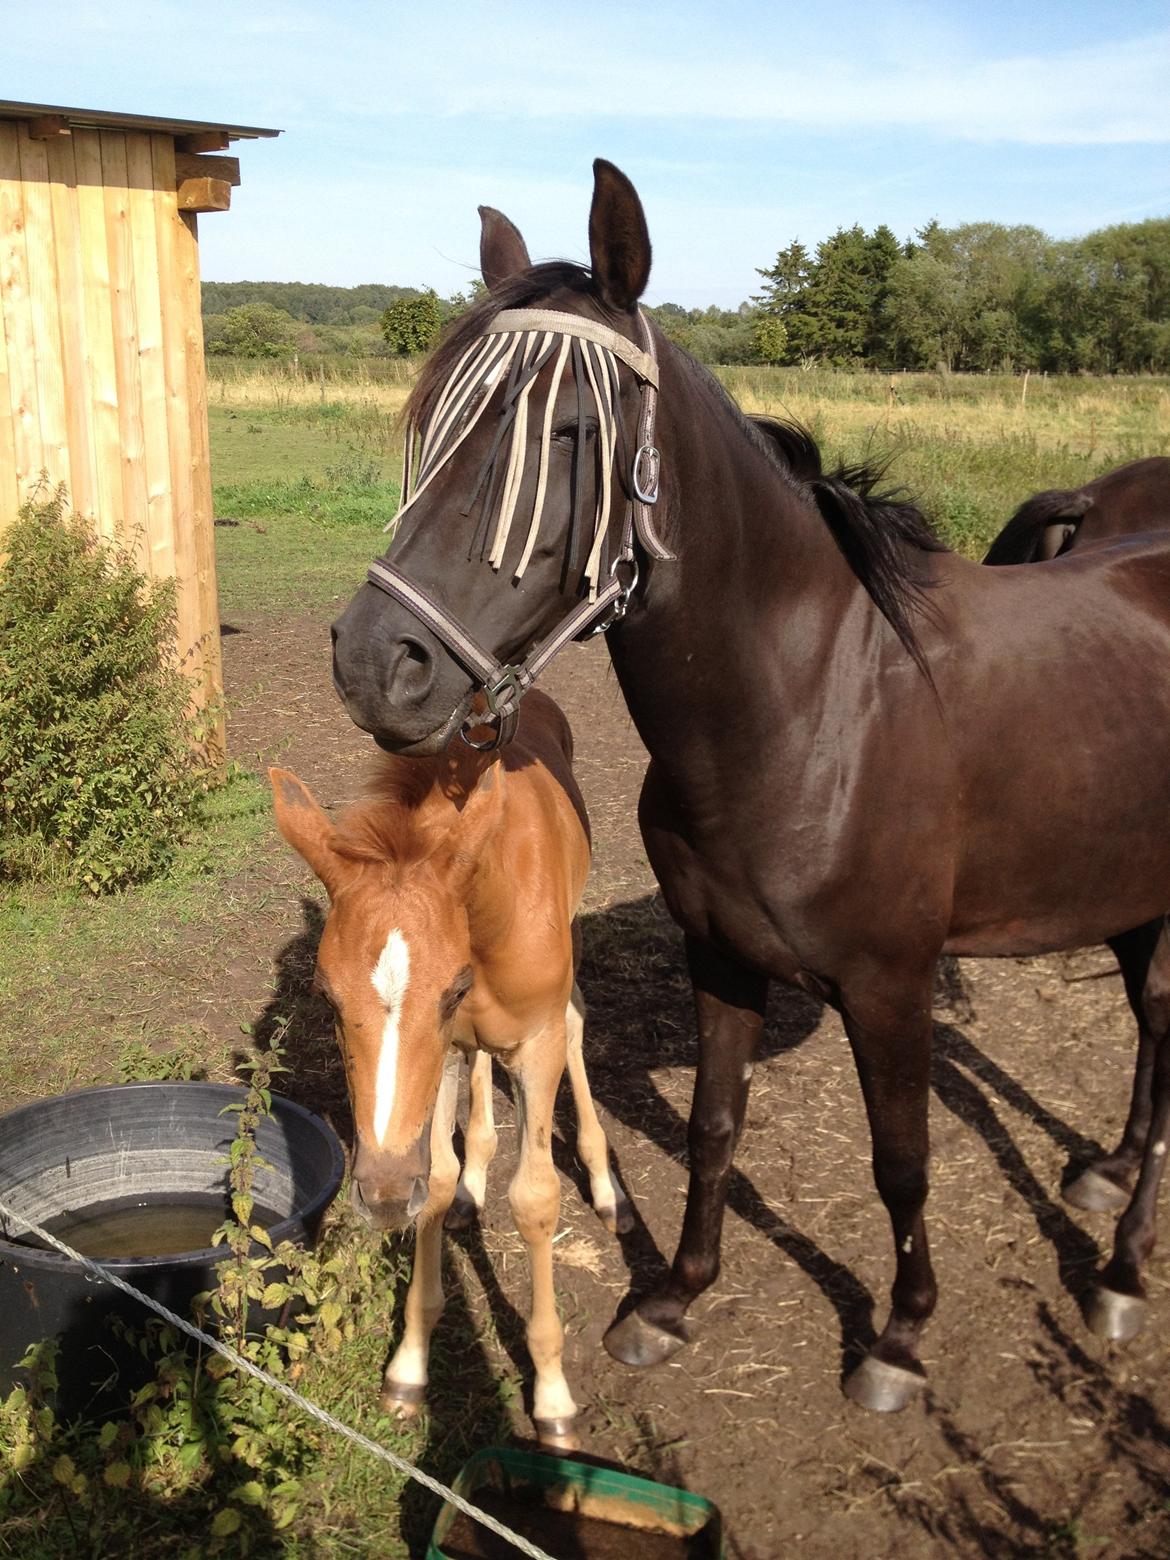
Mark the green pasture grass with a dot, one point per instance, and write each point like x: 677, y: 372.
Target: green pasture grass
x: 54, y: 1032
x: 301, y: 492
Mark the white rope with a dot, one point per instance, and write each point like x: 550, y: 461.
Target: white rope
x: 320, y: 1414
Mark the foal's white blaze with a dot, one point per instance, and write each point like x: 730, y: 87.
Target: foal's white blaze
x: 390, y: 979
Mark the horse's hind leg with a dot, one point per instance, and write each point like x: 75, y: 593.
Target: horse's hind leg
x: 729, y: 1004
x: 1115, y: 1308
x: 891, y: 1042
x: 479, y: 1144
x: 609, y: 1201
x: 404, y: 1383
x: 1106, y: 1184
x: 535, y: 1198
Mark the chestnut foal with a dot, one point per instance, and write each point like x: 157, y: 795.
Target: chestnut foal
x: 450, y: 933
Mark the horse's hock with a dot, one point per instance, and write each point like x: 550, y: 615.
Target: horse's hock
x: 102, y: 382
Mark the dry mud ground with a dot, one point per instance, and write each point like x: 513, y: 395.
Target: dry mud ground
x: 1033, y: 1438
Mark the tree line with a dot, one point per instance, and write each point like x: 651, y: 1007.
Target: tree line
x: 980, y: 296
x: 977, y: 297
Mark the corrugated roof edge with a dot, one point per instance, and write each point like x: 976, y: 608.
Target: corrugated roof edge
x: 100, y: 119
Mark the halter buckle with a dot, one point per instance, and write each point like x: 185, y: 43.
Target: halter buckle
x: 508, y: 683
x: 647, y: 491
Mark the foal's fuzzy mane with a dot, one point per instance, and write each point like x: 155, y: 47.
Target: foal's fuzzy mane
x: 390, y: 822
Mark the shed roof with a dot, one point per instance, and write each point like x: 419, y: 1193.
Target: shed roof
x: 101, y: 119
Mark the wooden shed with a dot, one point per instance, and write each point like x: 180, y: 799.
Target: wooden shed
x: 102, y: 382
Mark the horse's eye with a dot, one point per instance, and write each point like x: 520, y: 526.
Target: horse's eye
x: 566, y: 433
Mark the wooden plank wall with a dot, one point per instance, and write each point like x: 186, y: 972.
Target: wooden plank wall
x: 101, y: 360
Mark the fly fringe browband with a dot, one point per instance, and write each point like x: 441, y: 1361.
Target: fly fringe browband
x: 514, y: 349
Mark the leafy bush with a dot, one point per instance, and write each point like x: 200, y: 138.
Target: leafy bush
x: 98, y: 777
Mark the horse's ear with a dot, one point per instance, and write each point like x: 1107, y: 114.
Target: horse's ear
x: 619, y: 240
x: 502, y: 252
x: 301, y: 820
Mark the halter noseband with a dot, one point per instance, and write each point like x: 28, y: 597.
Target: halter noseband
x: 503, y: 685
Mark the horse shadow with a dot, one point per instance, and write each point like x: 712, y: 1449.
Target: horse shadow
x: 640, y: 1019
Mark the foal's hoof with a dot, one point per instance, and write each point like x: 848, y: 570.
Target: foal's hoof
x: 882, y: 1387
x: 462, y: 1213
x: 619, y: 1217
x: 1095, y: 1192
x: 559, y: 1435
x: 637, y: 1342
x: 401, y: 1400
x: 1114, y: 1316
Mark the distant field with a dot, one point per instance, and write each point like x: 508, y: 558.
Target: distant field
x: 969, y: 448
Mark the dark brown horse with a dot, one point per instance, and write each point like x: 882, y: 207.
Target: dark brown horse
x: 848, y: 725
x: 1129, y: 499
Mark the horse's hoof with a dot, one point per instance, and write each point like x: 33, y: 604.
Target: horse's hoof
x: 882, y: 1387
x: 618, y: 1217
x: 401, y: 1400
x: 1095, y: 1193
x: 637, y: 1342
x: 462, y: 1213
x: 559, y: 1435
x: 1115, y: 1316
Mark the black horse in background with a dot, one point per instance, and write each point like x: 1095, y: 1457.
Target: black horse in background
x: 1130, y: 499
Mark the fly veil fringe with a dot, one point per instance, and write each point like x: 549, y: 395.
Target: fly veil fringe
x: 515, y: 348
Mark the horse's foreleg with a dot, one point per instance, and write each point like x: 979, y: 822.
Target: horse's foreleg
x: 891, y: 1048
x: 404, y: 1383
x: 1107, y: 1183
x: 479, y: 1144
x: 1116, y: 1307
x: 609, y: 1201
x: 535, y: 1199
x: 729, y: 1004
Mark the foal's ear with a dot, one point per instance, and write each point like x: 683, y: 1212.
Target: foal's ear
x: 619, y: 240
x: 304, y: 825
x: 502, y: 252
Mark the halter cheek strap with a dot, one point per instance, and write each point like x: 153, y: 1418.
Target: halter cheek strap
x: 504, y: 684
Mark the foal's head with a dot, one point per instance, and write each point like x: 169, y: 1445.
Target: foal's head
x: 526, y: 438
x: 394, y: 962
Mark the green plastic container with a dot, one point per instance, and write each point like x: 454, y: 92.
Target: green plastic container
x: 621, y: 1501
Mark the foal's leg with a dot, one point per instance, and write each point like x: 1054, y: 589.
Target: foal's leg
x: 1106, y: 1183
x: 891, y: 1039
x: 479, y: 1144
x: 535, y: 1198
x: 404, y: 1383
x: 1115, y: 1309
x: 609, y: 1201
x: 729, y: 1004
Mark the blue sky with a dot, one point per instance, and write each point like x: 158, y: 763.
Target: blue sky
x: 743, y: 125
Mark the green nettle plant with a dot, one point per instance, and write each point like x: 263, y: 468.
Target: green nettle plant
x: 201, y: 1449
x: 99, y: 773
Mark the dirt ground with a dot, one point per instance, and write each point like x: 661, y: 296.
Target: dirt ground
x: 1034, y: 1437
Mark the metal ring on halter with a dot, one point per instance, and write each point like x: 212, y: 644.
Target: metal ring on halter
x: 649, y: 493
x: 621, y: 602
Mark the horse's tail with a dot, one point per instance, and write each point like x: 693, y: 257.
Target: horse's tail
x: 1020, y: 539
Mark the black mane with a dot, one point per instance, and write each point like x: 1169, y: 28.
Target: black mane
x: 880, y: 533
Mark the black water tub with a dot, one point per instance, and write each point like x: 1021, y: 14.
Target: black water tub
x: 103, y: 1147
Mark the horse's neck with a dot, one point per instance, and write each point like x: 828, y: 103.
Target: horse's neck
x: 757, y: 577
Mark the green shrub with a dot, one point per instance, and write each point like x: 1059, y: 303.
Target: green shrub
x: 98, y: 777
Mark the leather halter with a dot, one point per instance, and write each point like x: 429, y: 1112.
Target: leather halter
x: 504, y: 684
